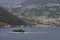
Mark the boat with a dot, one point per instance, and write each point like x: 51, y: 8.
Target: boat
x: 18, y: 30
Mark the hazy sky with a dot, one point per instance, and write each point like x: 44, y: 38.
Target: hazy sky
x: 7, y: 2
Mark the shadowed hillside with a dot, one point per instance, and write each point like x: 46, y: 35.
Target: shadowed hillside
x: 8, y: 18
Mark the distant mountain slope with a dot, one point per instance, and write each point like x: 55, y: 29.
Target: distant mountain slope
x: 38, y: 12
x: 8, y: 18
x: 48, y: 8
x: 43, y: 2
x: 10, y: 2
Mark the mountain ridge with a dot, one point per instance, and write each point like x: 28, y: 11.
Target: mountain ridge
x: 6, y: 17
x: 42, y: 2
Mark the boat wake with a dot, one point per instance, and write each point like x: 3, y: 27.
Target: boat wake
x: 28, y: 32
x: 35, y: 32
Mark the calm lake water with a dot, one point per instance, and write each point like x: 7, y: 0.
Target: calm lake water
x: 33, y: 33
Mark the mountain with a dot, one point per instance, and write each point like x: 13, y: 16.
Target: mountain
x: 42, y: 2
x: 10, y: 2
x: 38, y: 12
x: 8, y: 18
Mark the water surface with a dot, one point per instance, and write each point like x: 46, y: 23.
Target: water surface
x: 52, y: 33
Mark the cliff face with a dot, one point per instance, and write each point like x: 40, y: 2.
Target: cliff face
x: 8, y: 18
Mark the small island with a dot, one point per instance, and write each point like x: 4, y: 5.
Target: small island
x: 18, y: 30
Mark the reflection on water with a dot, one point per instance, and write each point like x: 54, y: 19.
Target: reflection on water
x: 52, y: 33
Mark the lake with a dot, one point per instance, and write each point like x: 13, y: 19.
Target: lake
x: 32, y: 33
